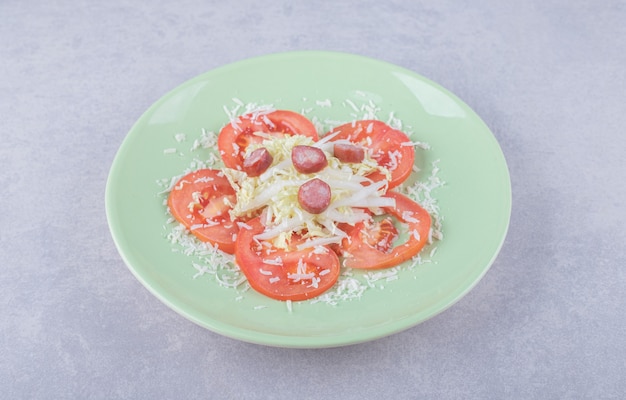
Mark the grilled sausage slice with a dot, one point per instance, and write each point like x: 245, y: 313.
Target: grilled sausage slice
x: 257, y: 162
x: 314, y: 196
x: 308, y: 159
x: 348, y: 153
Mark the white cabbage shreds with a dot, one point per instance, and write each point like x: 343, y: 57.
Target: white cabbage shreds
x: 274, y: 194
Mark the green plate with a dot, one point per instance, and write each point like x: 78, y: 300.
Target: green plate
x: 475, y: 201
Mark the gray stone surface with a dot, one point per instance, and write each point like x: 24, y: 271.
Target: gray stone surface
x: 546, y: 322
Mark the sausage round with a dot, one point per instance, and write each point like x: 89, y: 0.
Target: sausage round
x: 257, y: 162
x: 308, y: 159
x: 348, y: 153
x: 314, y: 196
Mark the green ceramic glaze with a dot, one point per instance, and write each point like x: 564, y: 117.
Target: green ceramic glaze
x: 475, y: 202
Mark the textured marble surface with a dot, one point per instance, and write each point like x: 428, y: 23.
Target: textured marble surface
x: 546, y: 322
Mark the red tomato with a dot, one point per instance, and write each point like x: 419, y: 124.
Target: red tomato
x: 389, y: 147
x: 281, y: 274
x: 235, y: 137
x: 206, y: 213
x: 368, y: 247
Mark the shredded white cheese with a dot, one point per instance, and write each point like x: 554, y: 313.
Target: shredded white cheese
x: 324, y: 103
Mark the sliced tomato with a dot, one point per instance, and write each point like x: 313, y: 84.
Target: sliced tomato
x: 379, y: 234
x: 368, y: 245
x: 389, y: 147
x: 282, y: 274
x: 201, y: 200
x: 236, y: 136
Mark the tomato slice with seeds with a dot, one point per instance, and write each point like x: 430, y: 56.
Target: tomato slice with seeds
x: 201, y: 200
x: 389, y: 147
x: 284, y: 274
x: 236, y: 136
x: 369, y: 246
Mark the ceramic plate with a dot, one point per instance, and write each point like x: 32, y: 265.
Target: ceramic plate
x: 474, y: 201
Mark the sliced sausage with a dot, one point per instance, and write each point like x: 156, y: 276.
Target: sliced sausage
x: 348, y: 153
x: 314, y: 196
x: 257, y: 162
x: 308, y: 159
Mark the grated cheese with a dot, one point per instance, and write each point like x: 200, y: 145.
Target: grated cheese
x: 243, y: 225
x: 408, y: 217
x: 324, y: 103
x: 273, y: 261
x: 351, y: 104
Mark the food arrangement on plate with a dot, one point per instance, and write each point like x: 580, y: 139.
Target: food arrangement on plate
x: 290, y: 207
x: 289, y: 235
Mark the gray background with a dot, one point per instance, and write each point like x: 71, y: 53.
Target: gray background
x: 547, y: 321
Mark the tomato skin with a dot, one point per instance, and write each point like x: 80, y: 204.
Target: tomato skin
x: 219, y: 229
x: 292, y: 123
x: 233, y: 139
x: 389, y: 147
x: 359, y: 254
x: 260, y: 273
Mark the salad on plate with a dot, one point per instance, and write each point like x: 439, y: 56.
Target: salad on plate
x: 294, y: 209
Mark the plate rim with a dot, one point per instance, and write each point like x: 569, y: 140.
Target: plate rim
x: 374, y: 332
